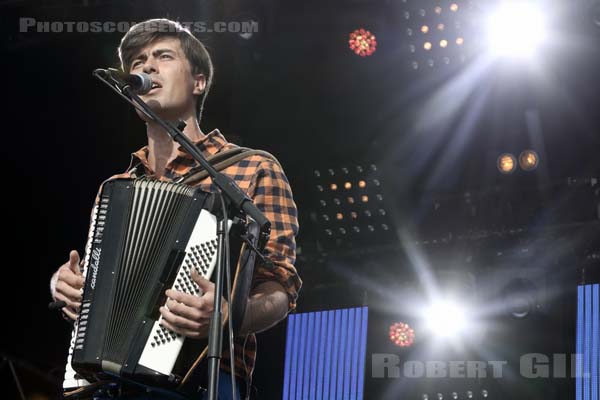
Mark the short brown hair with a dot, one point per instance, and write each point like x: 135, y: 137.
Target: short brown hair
x: 144, y: 33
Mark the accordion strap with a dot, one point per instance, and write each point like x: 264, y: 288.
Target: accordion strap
x: 222, y: 160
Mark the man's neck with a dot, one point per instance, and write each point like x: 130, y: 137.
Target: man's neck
x: 162, y: 149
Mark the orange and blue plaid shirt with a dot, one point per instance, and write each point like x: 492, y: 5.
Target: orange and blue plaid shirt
x: 263, y: 180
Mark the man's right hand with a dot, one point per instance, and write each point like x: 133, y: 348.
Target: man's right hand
x: 69, y: 285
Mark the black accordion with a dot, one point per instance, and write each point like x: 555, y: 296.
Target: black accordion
x: 145, y: 237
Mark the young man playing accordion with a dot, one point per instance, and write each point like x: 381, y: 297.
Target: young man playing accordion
x: 181, y: 71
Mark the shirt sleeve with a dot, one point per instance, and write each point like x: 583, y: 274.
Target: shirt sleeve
x: 273, y: 196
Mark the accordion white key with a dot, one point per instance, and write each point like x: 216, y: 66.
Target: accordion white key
x: 145, y: 237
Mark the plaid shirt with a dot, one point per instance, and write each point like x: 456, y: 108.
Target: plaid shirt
x: 265, y: 183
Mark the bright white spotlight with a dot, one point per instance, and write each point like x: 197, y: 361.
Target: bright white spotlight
x: 446, y: 319
x: 515, y: 29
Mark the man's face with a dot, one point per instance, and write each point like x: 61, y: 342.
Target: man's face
x: 175, y: 86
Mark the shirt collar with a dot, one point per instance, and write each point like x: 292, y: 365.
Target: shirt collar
x: 210, y: 144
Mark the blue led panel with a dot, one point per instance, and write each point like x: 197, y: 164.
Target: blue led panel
x: 325, y: 355
x: 588, y: 343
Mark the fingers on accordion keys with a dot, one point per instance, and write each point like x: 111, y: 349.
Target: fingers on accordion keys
x: 200, y: 286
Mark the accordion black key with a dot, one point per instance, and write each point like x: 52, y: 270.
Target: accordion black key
x: 145, y: 237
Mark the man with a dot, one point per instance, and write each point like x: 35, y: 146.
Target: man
x: 181, y: 71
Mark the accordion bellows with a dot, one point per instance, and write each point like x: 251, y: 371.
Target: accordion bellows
x: 145, y: 237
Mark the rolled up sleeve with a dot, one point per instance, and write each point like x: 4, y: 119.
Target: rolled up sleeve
x: 273, y: 196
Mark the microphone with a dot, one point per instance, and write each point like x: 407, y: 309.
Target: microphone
x: 140, y: 83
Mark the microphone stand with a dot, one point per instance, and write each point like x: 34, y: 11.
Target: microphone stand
x: 230, y: 190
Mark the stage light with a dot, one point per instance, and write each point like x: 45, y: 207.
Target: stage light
x: 528, y: 160
x: 459, y: 41
x: 251, y: 22
x: 515, y: 29
x: 351, y: 209
x: 401, y: 334
x: 445, y: 319
x: 507, y: 163
x: 440, y: 25
x: 362, y: 42
x: 519, y: 297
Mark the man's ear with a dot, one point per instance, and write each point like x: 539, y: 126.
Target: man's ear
x: 199, y: 84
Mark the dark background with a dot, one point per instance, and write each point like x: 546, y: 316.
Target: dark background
x: 297, y: 91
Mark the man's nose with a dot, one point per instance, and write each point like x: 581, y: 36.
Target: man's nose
x: 150, y: 66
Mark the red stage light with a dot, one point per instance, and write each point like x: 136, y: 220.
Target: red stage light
x: 362, y: 42
x: 402, y: 334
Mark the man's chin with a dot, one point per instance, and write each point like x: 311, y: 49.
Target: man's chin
x: 168, y: 112
x: 156, y: 107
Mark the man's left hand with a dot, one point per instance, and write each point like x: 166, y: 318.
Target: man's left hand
x: 189, y: 315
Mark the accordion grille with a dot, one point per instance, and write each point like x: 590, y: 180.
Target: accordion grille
x: 156, y: 209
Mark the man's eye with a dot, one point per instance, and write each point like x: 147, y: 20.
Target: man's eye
x: 166, y: 56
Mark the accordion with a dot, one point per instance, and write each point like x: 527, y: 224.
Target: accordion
x: 145, y: 237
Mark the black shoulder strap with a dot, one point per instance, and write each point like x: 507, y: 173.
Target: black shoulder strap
x: 222, y: 160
